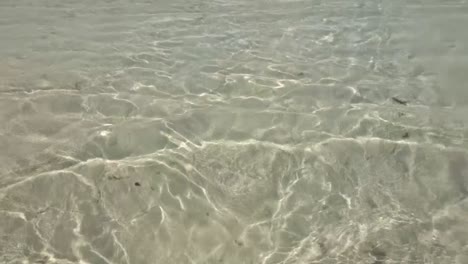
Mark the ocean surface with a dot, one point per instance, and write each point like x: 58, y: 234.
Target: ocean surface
x: 234, y: 131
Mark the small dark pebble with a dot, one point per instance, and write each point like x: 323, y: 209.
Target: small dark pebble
x: 113, y: 177
x: 323, y: 248
x: 405, y: 135
x: 394, y: 149
x: 207, y: 214
x: 78, y: 85
x: 371, y: 203
x: 400, y: 114
x: 137, y: 184
x: 238, y: 243
x: 300, y: 74
x: 399, y: 101
x: 379, y: 256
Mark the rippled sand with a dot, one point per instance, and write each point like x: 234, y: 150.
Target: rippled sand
x: 226, y: 131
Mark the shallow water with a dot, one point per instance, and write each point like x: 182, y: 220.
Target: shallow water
x: 225, y: 131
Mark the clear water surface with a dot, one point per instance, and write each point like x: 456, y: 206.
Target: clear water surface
x: 234, y: 131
